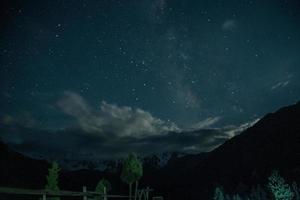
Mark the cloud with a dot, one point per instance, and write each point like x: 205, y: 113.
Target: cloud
x: 280, y: 85
x: 112, y: 132
x: 206, y: 123
x: 75, y: 144
x: 74, y: 105
x: 232, y: 130
x: 229, y: 25
x: 113, y: 120
x: 282, y: 82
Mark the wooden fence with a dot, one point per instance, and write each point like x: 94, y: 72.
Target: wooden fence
x: 47, y: 193
x: 142, y: 194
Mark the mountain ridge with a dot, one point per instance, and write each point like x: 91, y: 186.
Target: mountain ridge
x: 244, y: 160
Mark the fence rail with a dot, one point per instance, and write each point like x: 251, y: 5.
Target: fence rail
x: 44, y: 193
x: 142, y: 194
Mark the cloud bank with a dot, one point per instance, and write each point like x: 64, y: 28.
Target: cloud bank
x: 74, y: 144
x: 113, y: 120
x: 111, y: 132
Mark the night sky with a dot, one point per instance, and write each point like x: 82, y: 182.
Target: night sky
x: 110, y: 76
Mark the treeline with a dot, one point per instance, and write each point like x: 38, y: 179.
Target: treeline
x: 276, y: 189
x: 132, y: 171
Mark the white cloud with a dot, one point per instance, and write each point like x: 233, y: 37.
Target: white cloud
x: 74, y: 105
x: 229, y: 25
x: 281, y: 84
x: 231, y: 131
x: 206, y: 123
x: 112, y: 119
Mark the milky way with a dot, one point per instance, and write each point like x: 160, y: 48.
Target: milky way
x: 146, y: 67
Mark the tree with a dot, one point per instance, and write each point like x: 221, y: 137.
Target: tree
x: 132, y: 171
x: 52, y: 179
x: 103, y: 183
x: 258, y: 193
x: 236, y: 197
x: 227, y: 197
x: 279, y: 189
x: 219, y: 194
x: 296, y: 191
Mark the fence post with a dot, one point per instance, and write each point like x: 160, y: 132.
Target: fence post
x: 147, y: 193
x: 84, y: 195
x: 104, y: 194
x: 44, y: 197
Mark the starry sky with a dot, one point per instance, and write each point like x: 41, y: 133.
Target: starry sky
x: 139, y: 70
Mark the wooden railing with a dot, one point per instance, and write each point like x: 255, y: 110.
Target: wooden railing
x: 46, y: 193
x: 141, y: 195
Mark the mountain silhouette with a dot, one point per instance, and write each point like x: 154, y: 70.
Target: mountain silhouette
x: 245, y: 160
x: 18, y: 170
x: 241, y: 162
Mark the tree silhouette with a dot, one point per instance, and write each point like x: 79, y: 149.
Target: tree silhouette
x: 296, y: 191
x: 102, y: 185
x: 258, y: 193
x: 279, y: 189
x: 52, y: 179
x: 132, y: 171
x: 219, y: 194
x: 236, y: 197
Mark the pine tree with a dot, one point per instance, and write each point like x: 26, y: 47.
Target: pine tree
x: 132, y: 171
x: 103, y: 183
x: 52, y: 179
x: 236, y: 197
x: 296, y: 191
x: 279, y: 189
x: 227, y: 197
x: 219, y: 194
x: 258, y: 193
